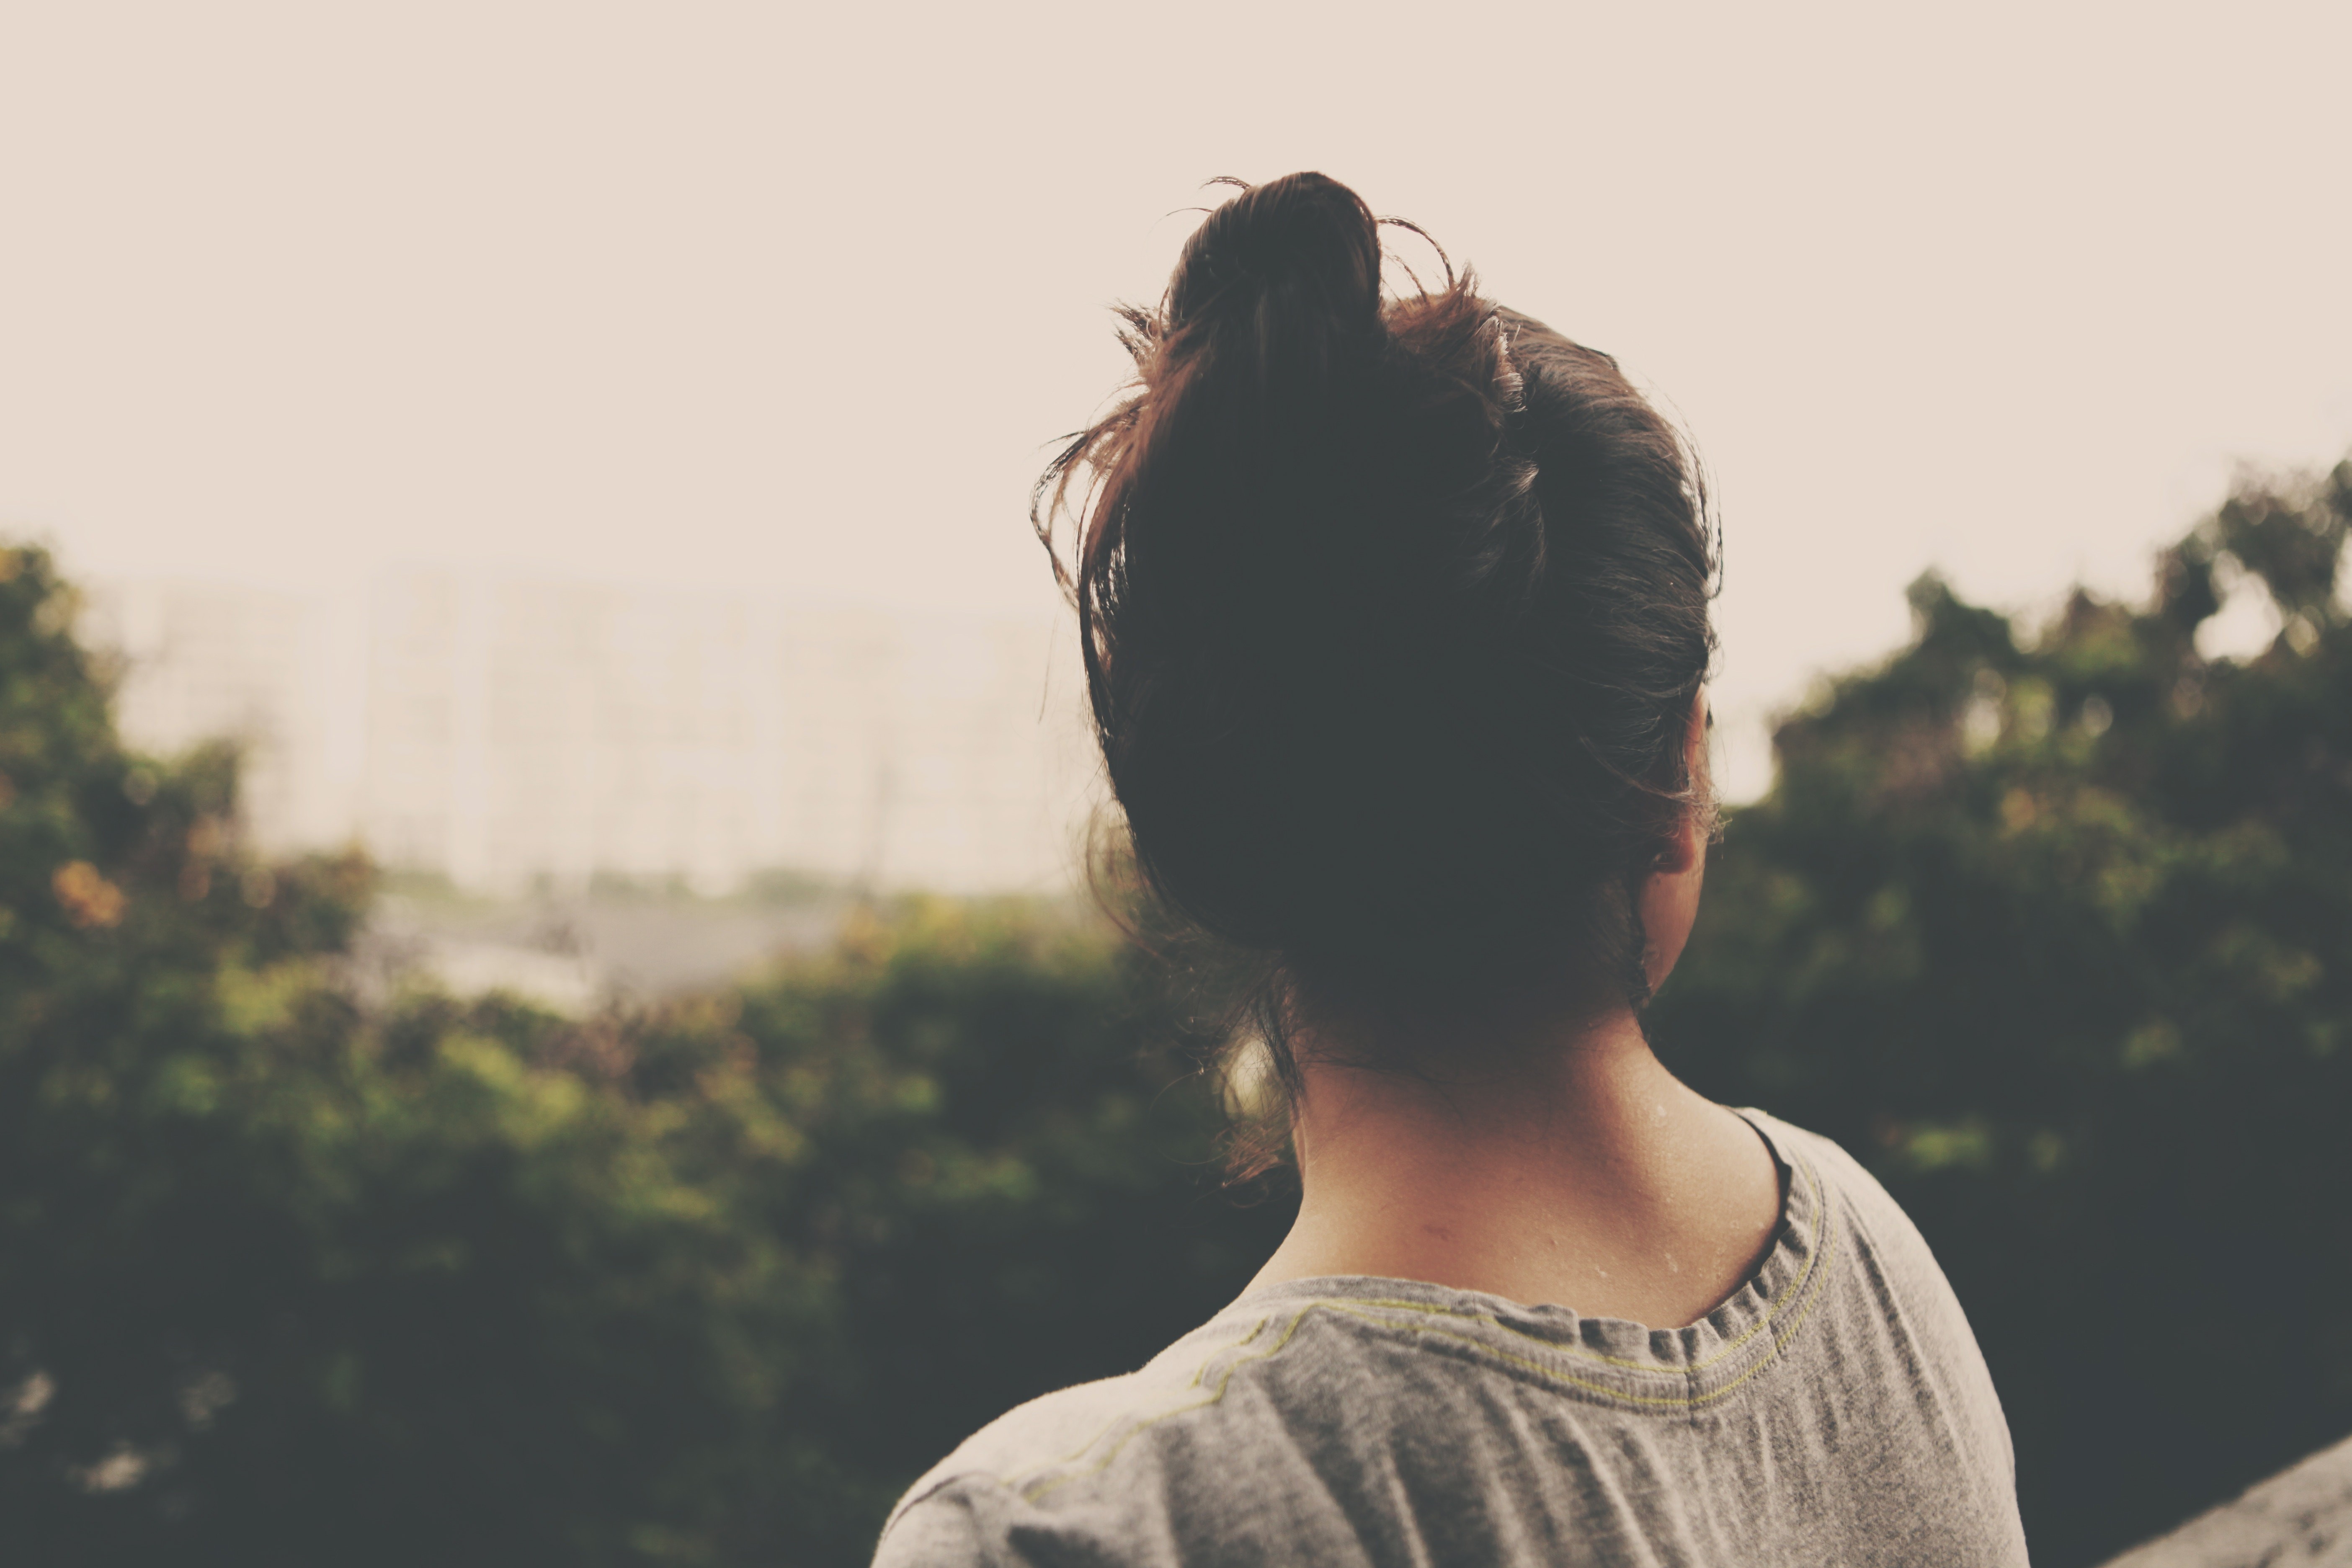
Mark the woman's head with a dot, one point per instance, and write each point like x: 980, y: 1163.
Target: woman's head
x: 1394, y: 610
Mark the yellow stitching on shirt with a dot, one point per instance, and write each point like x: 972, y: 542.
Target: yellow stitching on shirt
x: 1818, y: 1275
x: 1535, y: 1366
x: 1128, y: 1436
x: 1202, y: 1371
x: 1771, y: 1309
x: 1829, y: 1241
x: 1198, y: 1373
x: 1816, y: 1271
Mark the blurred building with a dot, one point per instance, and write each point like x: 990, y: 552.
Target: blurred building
x: 205, y: 661
x: 512, y: 732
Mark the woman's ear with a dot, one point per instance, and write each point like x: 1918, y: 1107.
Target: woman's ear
x: 1670, y: 894
x: 1687, y: 847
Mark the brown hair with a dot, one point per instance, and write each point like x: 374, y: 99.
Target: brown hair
x: 1393, y: 611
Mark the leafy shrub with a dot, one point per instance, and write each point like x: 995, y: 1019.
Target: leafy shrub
x: 2057, y: 934
x: 294, y: 1281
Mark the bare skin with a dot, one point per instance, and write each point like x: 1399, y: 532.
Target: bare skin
x: 1546, y: 1156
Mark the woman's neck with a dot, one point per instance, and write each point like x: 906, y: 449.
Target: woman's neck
x: 1551, y: 1160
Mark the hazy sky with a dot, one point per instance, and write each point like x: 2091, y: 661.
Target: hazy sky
x: 793, y: 297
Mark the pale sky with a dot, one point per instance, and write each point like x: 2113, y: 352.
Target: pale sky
x: 794, y: 298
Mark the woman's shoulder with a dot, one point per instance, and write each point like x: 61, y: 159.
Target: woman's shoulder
x: 1897, y: 1309
x: 1861, y: 1198
x: 1010, y: 1467
x: 1237, y: 1442
x: 1221, y: 1450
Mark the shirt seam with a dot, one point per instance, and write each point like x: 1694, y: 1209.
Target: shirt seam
x: 1032, y: 1486
x: 1815, y: 1256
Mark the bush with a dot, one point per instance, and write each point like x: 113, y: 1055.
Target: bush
x: 2057, y: 934
x: 292, y: 1280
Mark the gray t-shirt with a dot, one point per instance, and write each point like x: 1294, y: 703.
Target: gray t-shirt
x: 1834, y: 1411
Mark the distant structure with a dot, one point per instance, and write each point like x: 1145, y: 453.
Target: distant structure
x: 511, y: 732
x: 204, y: 662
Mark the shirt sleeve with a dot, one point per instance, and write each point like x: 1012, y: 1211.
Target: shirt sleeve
x: 940, y: 1530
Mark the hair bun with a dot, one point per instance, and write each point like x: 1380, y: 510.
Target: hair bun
x: 1392, y: 612
x: 1287, y: 274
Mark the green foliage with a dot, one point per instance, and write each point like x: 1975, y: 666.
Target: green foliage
x: 2057, y: 933
x: 290, y: 1280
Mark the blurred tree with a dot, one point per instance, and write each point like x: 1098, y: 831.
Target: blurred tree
x: 133, y: 933
x: 1012, y: 1175
x: 2057, y: 935
x: 285, y: 1278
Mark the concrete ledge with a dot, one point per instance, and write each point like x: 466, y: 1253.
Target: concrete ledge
x: 2300, y: 1518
